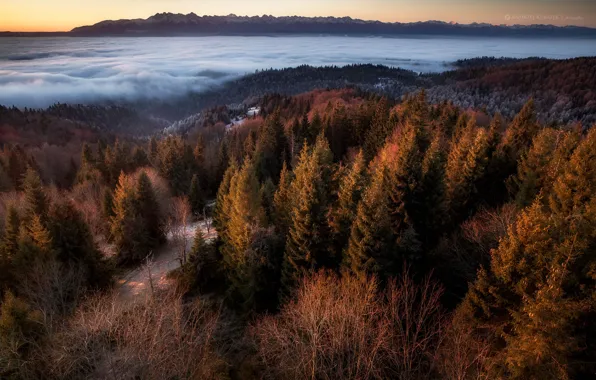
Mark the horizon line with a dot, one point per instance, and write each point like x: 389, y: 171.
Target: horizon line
x: 298, y: 16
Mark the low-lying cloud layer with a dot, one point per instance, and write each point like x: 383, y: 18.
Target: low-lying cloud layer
x: 37, y: 72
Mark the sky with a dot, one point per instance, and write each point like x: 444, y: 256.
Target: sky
x: 63, y: 15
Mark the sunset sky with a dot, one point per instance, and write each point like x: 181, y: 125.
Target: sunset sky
x: 63, y: 15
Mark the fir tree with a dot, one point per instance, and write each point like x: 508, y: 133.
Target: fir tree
x: 371, y: 245
x: 195, y: 196
x: 351, y: 187
x: 308, y: 236
x: 35, y: 197
x: 540, y: 284
x: 128, y: 229
x: 73, y: 242
x: 148, y: 209
x: 379, y: 130
x: 282, y: 201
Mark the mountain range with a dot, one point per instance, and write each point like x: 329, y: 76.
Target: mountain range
x: 170, y: 24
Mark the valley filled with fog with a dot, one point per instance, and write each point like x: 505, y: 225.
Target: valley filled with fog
x: 38, y: 72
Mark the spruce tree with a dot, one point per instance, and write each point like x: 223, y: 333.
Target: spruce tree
x: 221, y: 214
x: 36, y: 202
x: 195, y: 196
x: 128, y: 229
x: 73, y: 242
x: 245, y: 214
x: 466, y: 165
x: 351, y: 188
x: 538, y: 292
x: 282, y: 201
x: 380, y: 129
x: 148, y: 209
x: 371, y: 244
x: 270, y: 147
x: 308, y: 235
x: 10, y: 238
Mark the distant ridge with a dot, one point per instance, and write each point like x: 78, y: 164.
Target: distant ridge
x: 170, y: 24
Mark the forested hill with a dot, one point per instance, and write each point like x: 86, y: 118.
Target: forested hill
x: 563, y: 91
x: 168, y: 24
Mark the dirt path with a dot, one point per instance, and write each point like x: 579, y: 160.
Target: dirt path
x: 136, y: 282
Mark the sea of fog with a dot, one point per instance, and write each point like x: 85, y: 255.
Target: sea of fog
x: 36, y: 72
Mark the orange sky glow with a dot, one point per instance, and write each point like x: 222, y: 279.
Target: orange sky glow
x: 63, y: 15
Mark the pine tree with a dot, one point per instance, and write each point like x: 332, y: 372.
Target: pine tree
x: 540, y: 284
x: 9, y: 245
x: 139, y: 158
x: 221, y: 214
x: 148, y: 209
x: 128, y: 229
x: 35, y: 245
x: 380, y: 129
x: 542, y: 163
x: 195, y: 196
x: 245, y: 214
x: 466, y: 165
x: 270, y: 147
x: 431, y: 213
x: 371, y: 245
x: 10, y: 238
x: 351, y: 188
x: 73, y: 242
x: 152, y: 149
x: 282, y: 201
x: 308, y: 237
x: 35, y: 197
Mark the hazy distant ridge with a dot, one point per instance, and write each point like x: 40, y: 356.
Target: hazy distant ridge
x: 168, y: 24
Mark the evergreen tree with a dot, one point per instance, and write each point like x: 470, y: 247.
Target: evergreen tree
x: 9, y: 246
x: 148, y: 209
x: 542, y: 163
x: 270, y: 147
x: 35, y: 245
x: 139, y: 158
x: 36, y: 202
x: 10, y: 238
x: 431, y: 212
x: 244, y: 214
x: 308, y: 236
x: 73, y: 242
x: 195, y: 196
x: 128, y: 229
x: 466, y: 164
x: 152, y: 149
x: 371, y: 245
x: 282, y: 201
x: 540, y: 284
x: 351, y: 187
x: 380, y: 129
x: 221, y: 213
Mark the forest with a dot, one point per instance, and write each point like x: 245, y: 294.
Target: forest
x: 356, y: 236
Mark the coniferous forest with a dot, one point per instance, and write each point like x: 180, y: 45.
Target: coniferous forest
x: 347, y: 235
